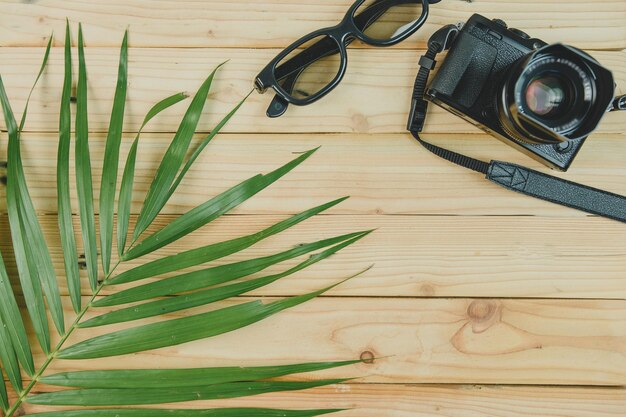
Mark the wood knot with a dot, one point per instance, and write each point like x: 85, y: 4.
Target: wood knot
x: 481, y: 310
x: 360, y: 123
x: 427, y: 290
x: 484, y: 314
x: 367, y: 357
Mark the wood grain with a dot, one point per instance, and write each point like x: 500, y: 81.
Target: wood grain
x: 471, y: 284
x: 374, y: 97
x: 394, y: 400
x: 423, y: 256
x: 484, y: 341
x: 277, y: 23
x: 384, y: 174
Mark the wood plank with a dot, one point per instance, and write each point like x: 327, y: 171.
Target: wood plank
x: 375, y: 400
x: 484, y: 341
x: 384, y: 174
x: 374, y: 97
x: 416, y: 256
x: 219, y: 23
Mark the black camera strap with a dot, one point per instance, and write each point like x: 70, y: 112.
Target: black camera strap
x: 511, y: 176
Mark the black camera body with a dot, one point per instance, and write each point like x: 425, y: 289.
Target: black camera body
x: 489, y: 69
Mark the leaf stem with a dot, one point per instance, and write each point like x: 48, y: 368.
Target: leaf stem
x: 11, y: 411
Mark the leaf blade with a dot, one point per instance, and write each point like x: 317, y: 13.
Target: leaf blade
x: 36, y: 250
x: 191, y: 377
x: 84, y: 181
x: 215, y: 412
x: 177, y: 331
x: 64, y: 206
x: 215, y: 251
x: 10, y: 313
x: 199, y: 298
x: 27, y: 271
x: 146, y: 396
x: 203, y: 145
x: 8, y: 359
x: 172, y: 160
x: 110, y: 165
x: 39, y: 74
x: 128, y: 177
x: 214, y: 275
x: 212, y: 209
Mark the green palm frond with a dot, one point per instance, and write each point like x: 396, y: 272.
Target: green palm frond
x: 150, y: 297
x: 216, y: 412
x: 111, y: 158
x: 66, y: 227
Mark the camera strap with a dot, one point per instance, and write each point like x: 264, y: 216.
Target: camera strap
x: 511, y: 176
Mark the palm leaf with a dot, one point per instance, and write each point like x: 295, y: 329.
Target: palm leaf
x: 183, y: 330
x: 128, y: 178
x: 112, y: 396
x: 158, y: 193
x: 8, y: 358
x: 27, y: 269
x: 84, y: 182
x: 203, y: 287
x: 203, y: 145
x: 167, y: 378
x: 10, y: 315
x: 111, y: 159
x: 66, y: 226
x: 213, y: 276
x: 215, y: 251
x: 39, y: 74
x: 211, y: 210
x: 216, y: 412
x: 36, y: 249
x: 36, y: 261
x: 199, y: 298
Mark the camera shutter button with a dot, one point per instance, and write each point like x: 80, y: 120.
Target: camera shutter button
x: 520, y: 33
x: 500, y: 22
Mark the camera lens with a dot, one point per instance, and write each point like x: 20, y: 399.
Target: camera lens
x: 546, y: 96
x: 552, y: 95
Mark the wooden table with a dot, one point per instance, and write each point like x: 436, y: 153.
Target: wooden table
x: 483, y: 302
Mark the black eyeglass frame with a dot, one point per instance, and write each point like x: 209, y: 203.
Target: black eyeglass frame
x: 342, y: 35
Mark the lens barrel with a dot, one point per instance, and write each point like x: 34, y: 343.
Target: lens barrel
x: 554, y: 94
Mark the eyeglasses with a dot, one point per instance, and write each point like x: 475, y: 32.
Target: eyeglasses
x: 315, y: 64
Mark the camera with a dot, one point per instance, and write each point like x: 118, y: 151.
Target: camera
x: 544, y: 100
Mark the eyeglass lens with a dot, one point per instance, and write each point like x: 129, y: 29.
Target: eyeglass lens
x: 323, y: 63
x: 387, y: 19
